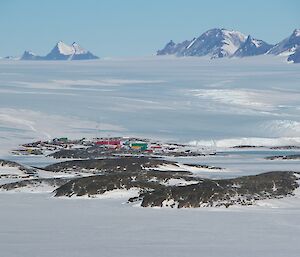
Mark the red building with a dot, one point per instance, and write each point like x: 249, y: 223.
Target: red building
x: 109, y: 142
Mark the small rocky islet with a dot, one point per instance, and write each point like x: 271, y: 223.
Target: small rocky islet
x: 95, y: 168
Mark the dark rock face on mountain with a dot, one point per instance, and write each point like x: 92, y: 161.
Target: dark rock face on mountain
x: 60, y: 51
x: 295, y: 58
x: 175, y: 49
x: 252, y: 47
x: 27, y: 55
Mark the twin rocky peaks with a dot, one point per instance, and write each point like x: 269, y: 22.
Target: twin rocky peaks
x: 62, y: 51
x: 218, y: 43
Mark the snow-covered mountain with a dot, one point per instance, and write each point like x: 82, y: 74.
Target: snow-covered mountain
x: 218, y: 43
x: 215, y: 43
x: 81, y: 53
x: 28, y: 55
x: 62, y: 51
x: 252, y: 47
x: 172, y: 48
x: 287, y: 46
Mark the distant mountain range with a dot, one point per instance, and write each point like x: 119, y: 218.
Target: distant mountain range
x: 219, y: 43
x: 62, y: 51
x: 214, y: 43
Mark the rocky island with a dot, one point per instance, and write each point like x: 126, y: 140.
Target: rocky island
x: 142, y: 171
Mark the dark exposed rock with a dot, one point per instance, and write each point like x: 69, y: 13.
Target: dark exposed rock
x: 284, y: 157
x: 130, y: 164
x: 227, y: 192
x: 252, y: 47
x: 28, y: 55
x: 84, y: 153
x: 155, y: 192
x: 246, y: 146
x: 155, y: 188
x: 288, y: 44
x: 32, y: 183
x: 93, y: 185
x: 295, y: 57
x: 27, y: 170
x: 285, y: 147
x: 94, y: 152
x: 11, y: 164
x: 203, y: 166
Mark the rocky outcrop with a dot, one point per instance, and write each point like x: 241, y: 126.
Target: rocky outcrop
x: 34, y: 184
x: 156, y: 182
x: 284, y: 157
x: 117, y: 164
x: 227, y: 192
x: 25, y: 169
x: 94, y: 152
x: 144, y: 181
x: 156, y: 190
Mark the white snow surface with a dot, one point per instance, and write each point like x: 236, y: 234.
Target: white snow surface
x: 80, y: 227
x: 253, y: 141
x: 124, y: 194
x: 232, y: 41
x: 10, y: 170
x: 36, y: 188
x: 73, y: 49
x: 162, y: 97
x: 65, y: 49
x: 179, y: 182
x: 78, y: 49
x: 182, y: 167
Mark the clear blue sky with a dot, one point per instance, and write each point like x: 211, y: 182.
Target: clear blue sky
x: 136, y: 27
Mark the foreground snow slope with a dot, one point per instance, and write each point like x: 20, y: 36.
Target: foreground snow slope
x: 80, y: 227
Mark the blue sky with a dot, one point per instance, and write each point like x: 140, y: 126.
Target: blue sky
x: 136, y: 27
